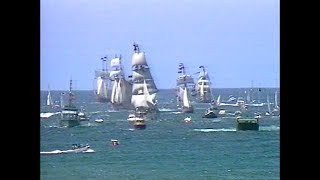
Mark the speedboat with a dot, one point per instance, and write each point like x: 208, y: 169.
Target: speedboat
x: 76, y: 148
x: 114, y: 142
x: 139, y: 123
x: 210, y: 114
x: 187, y: 119
x: 99, y: 120
x: 131, y: 117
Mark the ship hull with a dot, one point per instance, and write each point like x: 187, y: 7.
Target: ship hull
x: 139, y: 126
x: 69, y: 123
x: 187, y: 109
x: 247, y: 124
x: 210, y: 115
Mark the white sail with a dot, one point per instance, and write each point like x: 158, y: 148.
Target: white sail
x: 186, y: 102
x: 218, y: 101
x: 115, y: 63
x: 139, y: 101
x: 49, y: 99
x: 139, y: 58
x: 204, y: 86
x: 149, y: 98
x: 119, y: 92
x: 201, y: 89
x: 113, y: 92
x: 268, y: 104
x: 276, y: 100
x: 102, y: 87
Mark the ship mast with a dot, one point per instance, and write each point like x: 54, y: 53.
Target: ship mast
x: 70, y: 93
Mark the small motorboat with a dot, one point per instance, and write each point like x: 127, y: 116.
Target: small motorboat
x: 139, y: 123
x: 210, y: 114
x: 76, y: 148
x: 187, y: 119
x: 99, y: 120
x: 114, y: 142
x: 131, y: 117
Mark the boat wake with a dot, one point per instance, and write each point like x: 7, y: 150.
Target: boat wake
x: 269, y: 128
x: 215, y: 130
x: 47, y: 115
x: 55, y: 152
x: 166, y: 110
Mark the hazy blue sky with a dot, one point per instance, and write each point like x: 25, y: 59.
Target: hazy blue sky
x: 236, y: 40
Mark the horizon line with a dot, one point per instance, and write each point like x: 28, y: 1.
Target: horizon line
x: 169, y: 88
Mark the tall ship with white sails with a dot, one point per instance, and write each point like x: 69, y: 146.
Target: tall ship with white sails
x: 185, y: 87
x: 121, y: 88
x: 102, y: 77
x: 144, y: 89
x: 204, y: 86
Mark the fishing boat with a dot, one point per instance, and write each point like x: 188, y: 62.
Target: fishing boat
x: 70, y: 113
x: 144, y: 89
x: 121, y: 89
x: 101, y: 77
x: 204, y: 86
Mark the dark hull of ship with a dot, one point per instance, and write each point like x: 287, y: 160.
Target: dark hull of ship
x: 187, y: 109
x: 247, y: 124
x: 139, y: 126
x: 69, y: 123
x: 210, y: 115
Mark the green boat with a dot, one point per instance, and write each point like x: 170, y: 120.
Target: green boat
x: 247, y: 121
x: 70, y: 113
x: 244, y: 124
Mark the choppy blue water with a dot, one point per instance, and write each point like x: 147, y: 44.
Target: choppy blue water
x: 167, y: 149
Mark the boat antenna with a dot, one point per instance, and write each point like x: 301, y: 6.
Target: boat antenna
x: 70, y: 92
x: 104, y: 59
x: 136, y: 47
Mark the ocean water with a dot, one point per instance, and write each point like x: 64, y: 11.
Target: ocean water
x: 167, y: 149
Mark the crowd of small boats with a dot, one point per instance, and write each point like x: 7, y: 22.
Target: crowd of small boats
x: 137, y: 93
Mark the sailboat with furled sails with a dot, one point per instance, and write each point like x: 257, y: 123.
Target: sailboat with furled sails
x: 204, y: 86
x: 102, y: 82
x: 185, y: 86
x: 144, y: 89
x: 121, y: 89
